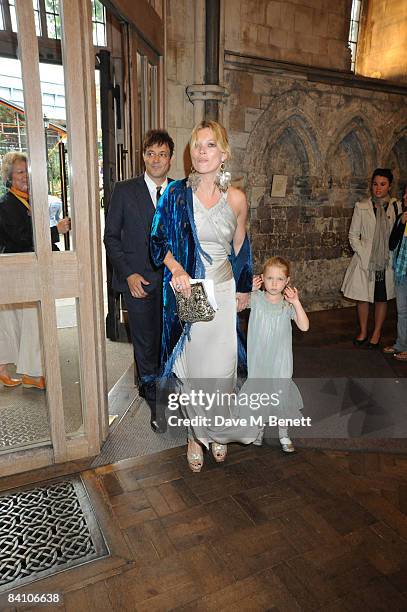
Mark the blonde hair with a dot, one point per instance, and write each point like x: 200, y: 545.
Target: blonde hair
x: 219, y: 134
x: 279, y: 262
x: 8, y: 162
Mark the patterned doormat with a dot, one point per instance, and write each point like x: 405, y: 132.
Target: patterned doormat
x: 46, y: 529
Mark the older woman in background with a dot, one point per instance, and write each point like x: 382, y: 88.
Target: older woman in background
x: 19, y: 325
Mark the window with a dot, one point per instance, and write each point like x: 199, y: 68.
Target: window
x: 53, y: 19
x: 13, y: 15
x: 60, y: 101
x: 48, y: 99
x: 99, y: 24
x: 354, y: 30
x: 37, y: 17
x: 17, y: 95
x: 48, y: 20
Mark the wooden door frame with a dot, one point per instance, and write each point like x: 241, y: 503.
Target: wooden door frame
x: 45, y: 276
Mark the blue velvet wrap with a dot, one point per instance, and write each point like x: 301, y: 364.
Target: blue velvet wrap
x: 173, y: 229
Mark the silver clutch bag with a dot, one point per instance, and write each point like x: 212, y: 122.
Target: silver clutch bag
x: 196, y: 307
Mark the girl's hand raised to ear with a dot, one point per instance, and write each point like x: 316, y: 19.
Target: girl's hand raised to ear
x: 257, y: 282
x: 291, y: 295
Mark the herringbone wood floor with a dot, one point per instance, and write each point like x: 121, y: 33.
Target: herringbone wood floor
x: 312, y: 531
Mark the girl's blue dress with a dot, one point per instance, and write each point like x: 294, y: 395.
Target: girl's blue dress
x: 270, y: 355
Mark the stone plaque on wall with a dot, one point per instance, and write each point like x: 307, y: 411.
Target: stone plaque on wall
x: 279, y: 186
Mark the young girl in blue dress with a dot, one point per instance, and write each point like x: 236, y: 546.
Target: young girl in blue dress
x: 269, y: 342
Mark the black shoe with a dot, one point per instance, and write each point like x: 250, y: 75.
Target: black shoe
x: 142, y: 391
x: 373, y: 345
x: 158, y: 425
x: 357, y: 342
x: 154, y: 425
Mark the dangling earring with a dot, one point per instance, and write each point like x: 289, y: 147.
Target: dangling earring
x: 222, y: 179
x: 193, y: 180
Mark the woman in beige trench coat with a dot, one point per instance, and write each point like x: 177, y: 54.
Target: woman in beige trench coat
x: 369, y: 277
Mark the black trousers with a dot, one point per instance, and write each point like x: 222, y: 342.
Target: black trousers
x: 145, y: 315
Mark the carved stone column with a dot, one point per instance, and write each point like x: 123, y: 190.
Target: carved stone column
x: 212, y: 37
x: 206, y: 93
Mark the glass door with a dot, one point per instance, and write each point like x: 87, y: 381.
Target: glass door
x: 59, y: 412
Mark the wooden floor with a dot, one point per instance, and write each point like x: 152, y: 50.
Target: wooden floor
x: 265, y: 531
x: 317, y: 530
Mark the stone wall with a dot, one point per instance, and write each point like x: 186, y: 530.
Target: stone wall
x: 382, y: 48
x: 309, y: 32
x: 180, y: 72
x: 327, y: 139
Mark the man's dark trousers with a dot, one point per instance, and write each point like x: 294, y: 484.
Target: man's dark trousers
x: 144, y: 316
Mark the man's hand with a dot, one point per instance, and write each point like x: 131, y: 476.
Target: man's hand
x: 242, y: 301
x: 135, y: 282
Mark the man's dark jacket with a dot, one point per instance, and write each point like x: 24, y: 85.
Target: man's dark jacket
x: 127, y: 233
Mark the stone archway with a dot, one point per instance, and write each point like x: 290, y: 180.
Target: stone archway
x: 289, y: 145
x: 288, y: 154
x: 327, y: 141
x: 351, y: 158
x: 396, y: 159
x: 355, y: 140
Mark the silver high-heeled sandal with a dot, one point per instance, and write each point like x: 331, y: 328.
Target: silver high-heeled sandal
x: 219, y: 452
x: 195, y: 459
x: 259, y: 440
x: 286, y: 445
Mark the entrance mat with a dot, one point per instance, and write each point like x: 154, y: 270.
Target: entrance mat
x: 133, y: 437
x: 45, y: 530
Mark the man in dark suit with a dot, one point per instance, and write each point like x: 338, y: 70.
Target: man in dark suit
x: 127, y: 234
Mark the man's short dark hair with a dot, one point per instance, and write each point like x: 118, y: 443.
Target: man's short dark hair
x: 158, y: 137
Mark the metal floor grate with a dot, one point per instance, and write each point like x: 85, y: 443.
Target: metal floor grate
x: 24, y: 418
x: 46, y: 529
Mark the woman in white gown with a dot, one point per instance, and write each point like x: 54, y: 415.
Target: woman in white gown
x: 199, y: 231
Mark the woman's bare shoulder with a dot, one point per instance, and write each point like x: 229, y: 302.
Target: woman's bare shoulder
x: 237, y: 198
